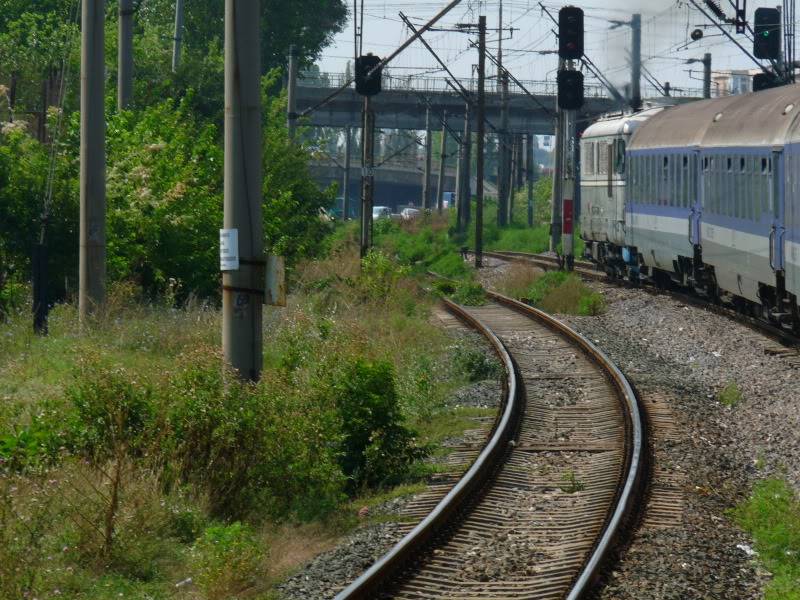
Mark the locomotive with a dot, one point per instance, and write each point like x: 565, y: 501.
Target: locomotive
x: 703, y: 195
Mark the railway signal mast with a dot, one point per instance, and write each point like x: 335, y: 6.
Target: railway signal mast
x: 570, y: 99
x: 368, y: 84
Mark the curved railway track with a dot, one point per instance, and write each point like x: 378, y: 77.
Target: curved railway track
x: 546, y: 501
x: 589, y: 271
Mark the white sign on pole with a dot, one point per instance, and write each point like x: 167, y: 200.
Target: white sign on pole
x: 228, y: 249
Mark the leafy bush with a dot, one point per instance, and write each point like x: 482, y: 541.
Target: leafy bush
x: 376, y: 448
x: 563, y: 292
x: 112, y: 409
x: 379, y: 275
x: 469, y: 293
x: 475, y: 364
x: 226, y: 560
x: 253, y: 450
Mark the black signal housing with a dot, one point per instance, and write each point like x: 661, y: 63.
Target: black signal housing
x: 570, y: 33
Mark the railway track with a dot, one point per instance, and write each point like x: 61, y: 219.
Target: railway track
x: 545, y: 503
x: 589, y: 271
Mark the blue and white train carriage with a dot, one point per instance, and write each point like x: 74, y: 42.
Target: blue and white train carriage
x: 711, y: 200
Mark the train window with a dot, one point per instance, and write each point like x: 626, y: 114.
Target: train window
x: 602, y: 158
x: 730, y: 164
x: 742, y: 164
x: 764, y: 162
x: 619, y: 157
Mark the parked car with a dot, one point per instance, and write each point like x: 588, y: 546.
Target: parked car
x: 409, y: 214
x: 381, y: 212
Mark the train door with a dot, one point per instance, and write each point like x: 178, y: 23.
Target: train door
x: 778, y: 230
x: 695, y: 198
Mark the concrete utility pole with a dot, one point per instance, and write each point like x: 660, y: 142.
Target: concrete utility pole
x: 426, y: 176
x: 479, y: 117
x: 367, y: 176
x: 346, y: 187
x: 291, y: 105
x: 92, y: 254
x: 125, y: 54
x: 529, y: 175
x: 442, y: 164
x: 176, y: 45
x: 503, y: 167
x: 707, y: 75
x: 243, y: 283
x: 636, y: 62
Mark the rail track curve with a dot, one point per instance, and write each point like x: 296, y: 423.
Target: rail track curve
x: 511, y: 491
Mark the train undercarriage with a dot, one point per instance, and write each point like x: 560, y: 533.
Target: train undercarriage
x: 690, y: 274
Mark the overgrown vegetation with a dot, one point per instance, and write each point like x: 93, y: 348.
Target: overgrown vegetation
x: 129, y: 460
x: 772, y: 516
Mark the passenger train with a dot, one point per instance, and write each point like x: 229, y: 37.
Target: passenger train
x: 704, y: 195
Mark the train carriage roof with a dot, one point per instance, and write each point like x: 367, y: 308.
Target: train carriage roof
x: 758, y: 119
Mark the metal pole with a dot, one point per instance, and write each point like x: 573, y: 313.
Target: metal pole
x: 442, y: 161
x: 505, y: 156
x: 636, y: 62
x: 291, y: 106
x: 367, y: 177
x: 707, y: 75
x: 426, y: 177
x: 346, y: 187
x: 176, y: 46
x: 466, y: 211
x: 125, y: 54
x: 558, y: 162
x: 529, y: 175
x: 243, y: 287
x: 568, y: 190
x: 459, y: 187
x: 92, y: 255
x: 481, y: 133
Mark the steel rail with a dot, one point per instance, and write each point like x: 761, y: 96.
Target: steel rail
x: 629, y: 492
x: 390, y: 564
x: 490, y: 457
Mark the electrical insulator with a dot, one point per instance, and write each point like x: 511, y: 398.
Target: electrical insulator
x: 570, y: 32
x: 368, y: 86
x: 570, y: 90
x: 767, y: 33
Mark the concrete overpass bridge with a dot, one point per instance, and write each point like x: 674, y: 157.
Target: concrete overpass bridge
x: 402, y: 103
x: 396, y: 185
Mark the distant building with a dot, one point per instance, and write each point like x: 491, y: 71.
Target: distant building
x: 733, y: 82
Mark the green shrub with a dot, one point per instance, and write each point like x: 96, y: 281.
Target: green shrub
x: 379, y: 275
x: 376, y: 448
x: 13, y: 296
x: 545, y: 284
x: 226, y: 561
x: 592, y: 305
x: 253, y: 450
x: 469, y: 293
x: 772, y: 516
x: 475, y: 364
x: 451, y: 265
x: 113, y: 407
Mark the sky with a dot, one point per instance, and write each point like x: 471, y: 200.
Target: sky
x: 666, y: 45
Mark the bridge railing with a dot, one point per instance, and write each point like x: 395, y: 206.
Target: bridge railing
x: 439, y: 84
